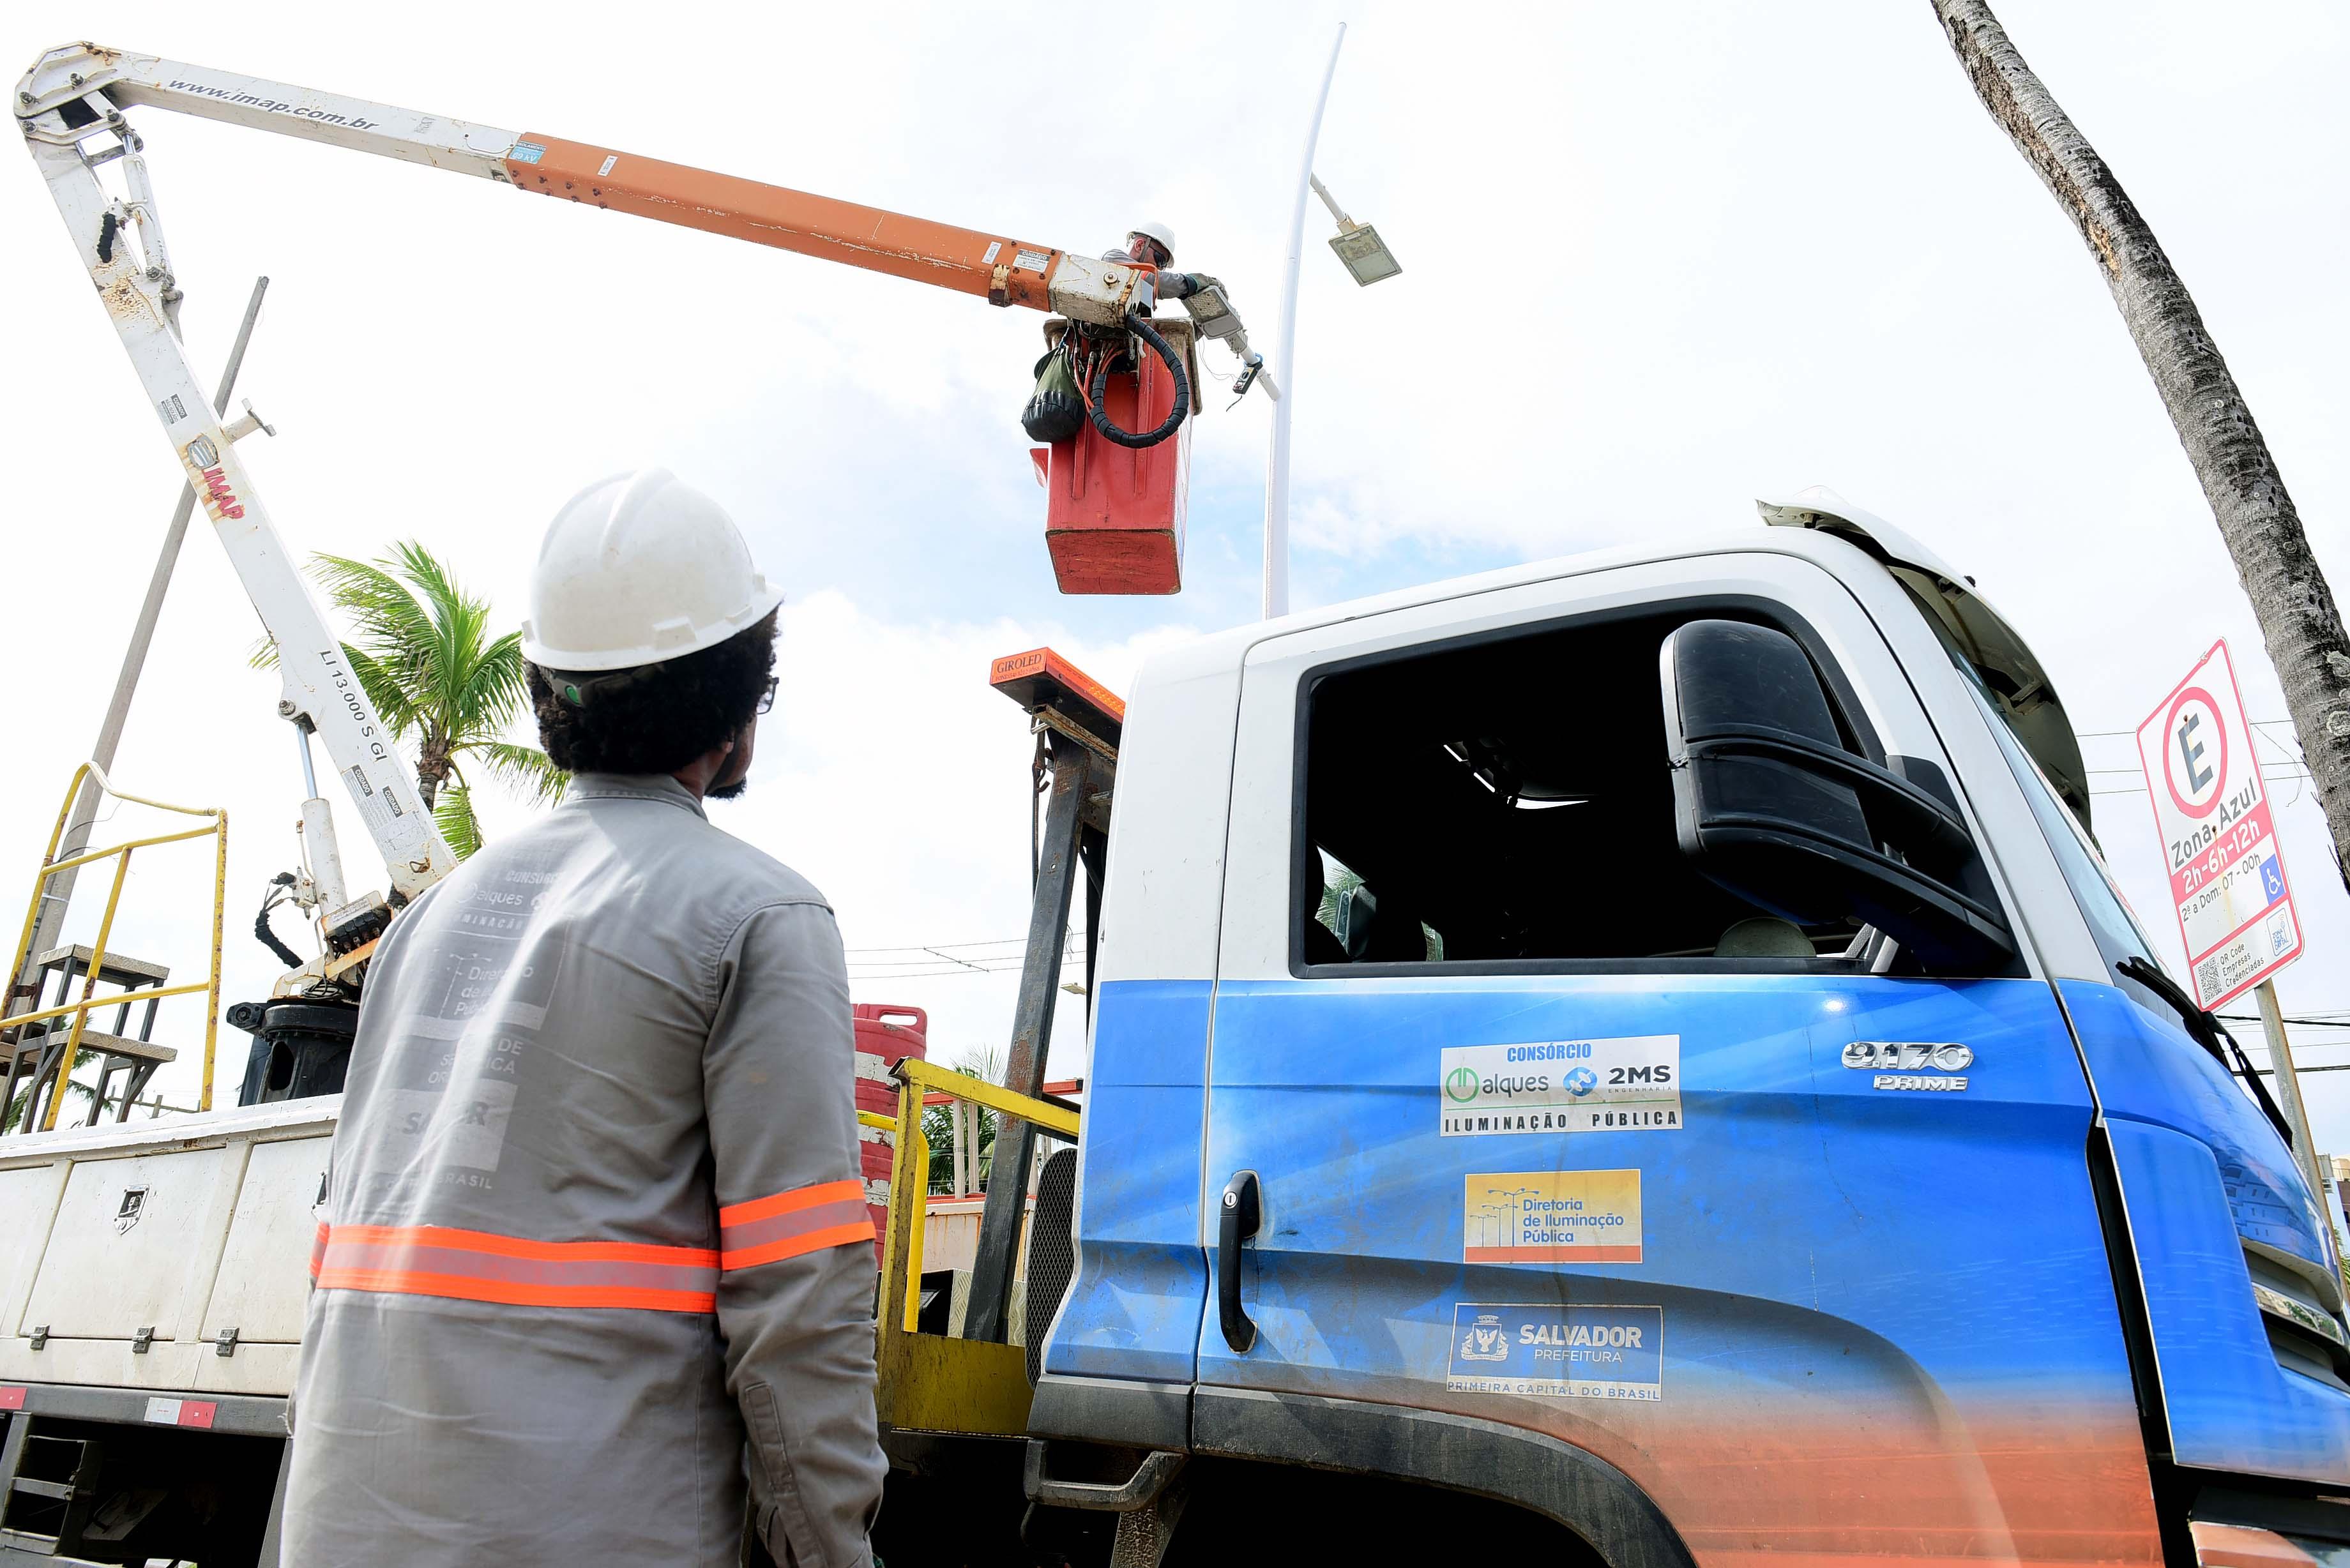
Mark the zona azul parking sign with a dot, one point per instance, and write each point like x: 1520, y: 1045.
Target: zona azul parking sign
x: 2219, y: 844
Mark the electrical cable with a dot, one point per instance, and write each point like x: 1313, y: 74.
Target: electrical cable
x: 1139, y: 325
x: 277, y: 895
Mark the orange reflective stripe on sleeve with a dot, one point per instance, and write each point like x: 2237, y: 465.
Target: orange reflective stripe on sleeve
x: 788, y: 1224
x: 477, y: 1266
x: 317, y: 1251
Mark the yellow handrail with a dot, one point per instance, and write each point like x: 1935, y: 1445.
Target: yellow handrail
x: 217, y: 826
x: 910, y: 1172
x: 995, y: 1097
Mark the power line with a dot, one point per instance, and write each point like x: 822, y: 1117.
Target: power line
x: 2109, y: 734
x: 946, y: 960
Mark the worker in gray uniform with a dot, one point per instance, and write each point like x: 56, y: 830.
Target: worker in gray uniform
x: 595, y: 1255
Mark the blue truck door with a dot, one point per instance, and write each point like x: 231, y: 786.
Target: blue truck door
x: 1547, y: 1136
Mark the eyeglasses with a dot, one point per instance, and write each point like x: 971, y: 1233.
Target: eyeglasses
x: 768, y: 698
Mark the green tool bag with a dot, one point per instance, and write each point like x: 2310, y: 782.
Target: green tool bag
x: 1058, y: 410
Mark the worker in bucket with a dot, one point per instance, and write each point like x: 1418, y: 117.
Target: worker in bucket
x: 595, y: 1257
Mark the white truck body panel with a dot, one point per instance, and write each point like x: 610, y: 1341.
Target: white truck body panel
x: 221, y: 1240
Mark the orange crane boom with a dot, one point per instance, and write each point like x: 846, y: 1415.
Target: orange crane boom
x: 1002, y: 270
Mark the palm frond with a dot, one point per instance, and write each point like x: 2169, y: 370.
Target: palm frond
x: 526, y: 770
x: 494, y: 692
x: 387, y: 617
x: 459, y: 626
x: 422, y: 651
x: 385, y: 689
x: 454, y: 811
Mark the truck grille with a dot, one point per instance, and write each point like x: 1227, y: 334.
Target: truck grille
x: 2301, y: 1308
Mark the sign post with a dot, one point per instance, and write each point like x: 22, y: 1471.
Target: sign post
x: 2228, y: 885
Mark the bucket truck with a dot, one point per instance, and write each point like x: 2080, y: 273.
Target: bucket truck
x: 76, y: 108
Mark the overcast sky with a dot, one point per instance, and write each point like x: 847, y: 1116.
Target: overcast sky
x: 1658, y: 260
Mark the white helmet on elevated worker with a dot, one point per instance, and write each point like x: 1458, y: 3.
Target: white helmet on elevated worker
x: 1158, y: 235
x: 638, y: 568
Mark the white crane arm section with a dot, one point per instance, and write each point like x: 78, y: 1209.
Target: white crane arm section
x: 120, y: 241
x: 66, y: 75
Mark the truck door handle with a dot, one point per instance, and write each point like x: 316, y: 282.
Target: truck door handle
x: 1236, y: 1224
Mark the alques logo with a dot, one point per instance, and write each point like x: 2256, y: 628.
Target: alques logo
x: 1461, y: 1085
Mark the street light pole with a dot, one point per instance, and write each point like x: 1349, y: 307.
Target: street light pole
x: 1276, y: 477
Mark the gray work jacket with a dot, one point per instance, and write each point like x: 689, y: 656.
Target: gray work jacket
x: 596, y: 1249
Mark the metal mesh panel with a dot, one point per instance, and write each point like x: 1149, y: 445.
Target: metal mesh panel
x: 1052, y: 1249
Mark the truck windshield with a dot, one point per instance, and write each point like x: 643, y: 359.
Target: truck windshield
x: 2118, y: 936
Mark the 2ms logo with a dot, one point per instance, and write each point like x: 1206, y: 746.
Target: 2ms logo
x: 1477, y: 1073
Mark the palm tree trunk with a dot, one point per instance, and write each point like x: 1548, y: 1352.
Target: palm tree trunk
x: 2298, y: 621
x: 433, y: 767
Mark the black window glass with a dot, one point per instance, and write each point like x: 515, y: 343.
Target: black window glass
x: 1510, y: 800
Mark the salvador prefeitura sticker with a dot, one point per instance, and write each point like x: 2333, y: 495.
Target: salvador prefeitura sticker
x: 1557, y: 1350
x: 1551, y: 1217
x: 1561, y: 1086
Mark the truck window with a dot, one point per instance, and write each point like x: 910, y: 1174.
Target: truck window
x: 2115, y: 928
x: 1508, y: 801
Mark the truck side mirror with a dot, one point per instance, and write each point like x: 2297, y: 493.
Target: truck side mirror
x: 1769, y: 805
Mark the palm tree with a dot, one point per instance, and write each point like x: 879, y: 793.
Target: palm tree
x: 424, y: 655
x: 2299, y: 621
x: 984, y: 1062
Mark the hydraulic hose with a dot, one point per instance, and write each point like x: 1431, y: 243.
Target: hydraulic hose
x: 269, y: 901
x: 1139, y: 325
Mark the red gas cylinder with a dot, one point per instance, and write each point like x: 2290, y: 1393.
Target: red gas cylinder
x: 886, y: 1035
x: 1113, y: 514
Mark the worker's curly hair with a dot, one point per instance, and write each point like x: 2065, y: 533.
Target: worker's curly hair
x: 655, y: 717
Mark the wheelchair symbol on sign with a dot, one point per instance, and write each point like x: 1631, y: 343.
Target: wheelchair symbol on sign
x: 2273, y: 880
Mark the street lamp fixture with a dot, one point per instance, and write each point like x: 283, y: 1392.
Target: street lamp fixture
x: 1358, y: 244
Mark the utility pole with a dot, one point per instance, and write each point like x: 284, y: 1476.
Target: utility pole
x: 2296, y: 1114
x: 59, y: 888
x: 2300, y: 623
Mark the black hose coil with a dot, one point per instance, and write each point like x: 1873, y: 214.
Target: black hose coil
x: 1139, y: 325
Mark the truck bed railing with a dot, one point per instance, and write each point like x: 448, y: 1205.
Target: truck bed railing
x: 929, y: 1382
x: 57, y: 1057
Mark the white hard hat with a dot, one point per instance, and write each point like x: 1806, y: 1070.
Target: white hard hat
x: 1157, y: 230
x: 638, y: 568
